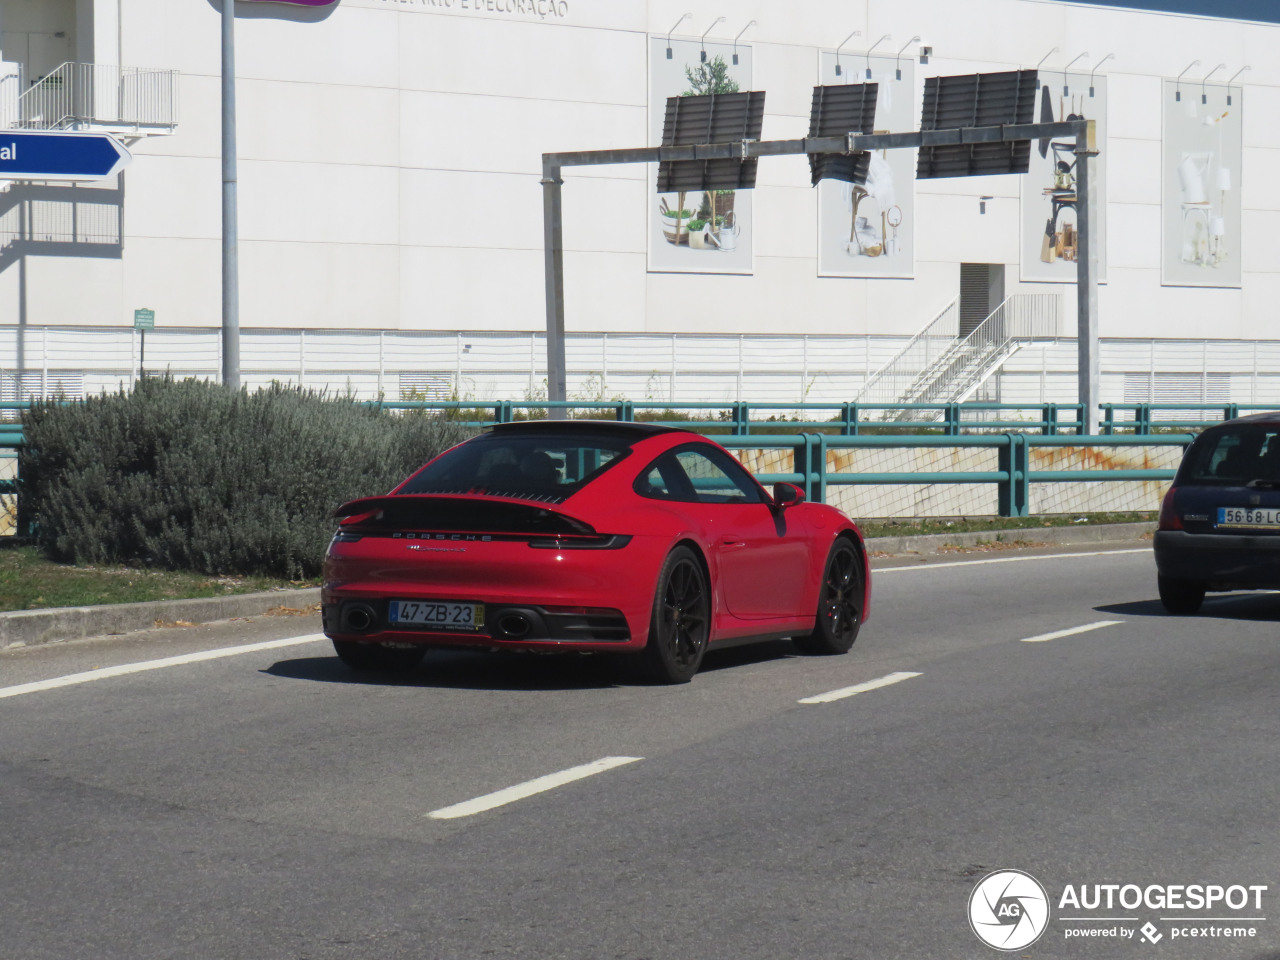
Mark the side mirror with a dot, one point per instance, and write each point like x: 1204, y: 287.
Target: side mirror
x: 787, y: 494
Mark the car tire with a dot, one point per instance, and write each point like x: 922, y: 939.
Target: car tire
x: 840, y: 599
x: 376, y: 656
x: 1180, y: 596
x: 680, y: 624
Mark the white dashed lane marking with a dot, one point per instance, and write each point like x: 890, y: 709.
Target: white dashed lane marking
x: 124, y: 669
x: 529, y: 788
x: 859, y: 688
x: 1071, y: 632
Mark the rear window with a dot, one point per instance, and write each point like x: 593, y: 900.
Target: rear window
x: 544, y: 467
x: 1235, y: 456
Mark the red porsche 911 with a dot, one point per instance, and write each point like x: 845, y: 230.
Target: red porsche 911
x: 594, y: 537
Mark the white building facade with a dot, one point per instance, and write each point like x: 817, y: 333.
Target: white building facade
x: 389, y: 158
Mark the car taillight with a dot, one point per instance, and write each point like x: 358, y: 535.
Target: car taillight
x: 579, y: 542
x: 1169, y: 520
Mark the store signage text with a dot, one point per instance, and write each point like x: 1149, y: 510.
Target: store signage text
x: 542, y: 9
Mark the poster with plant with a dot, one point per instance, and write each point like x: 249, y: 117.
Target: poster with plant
x: 705, y: 231
x: 1049, y: 209
x: 1200, y: 174
x: 868, y: 230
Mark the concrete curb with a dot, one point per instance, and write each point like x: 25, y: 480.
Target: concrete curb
x: 1055, y: 536
x: 30, y: 627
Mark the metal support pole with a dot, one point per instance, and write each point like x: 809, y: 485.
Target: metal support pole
x: 553, y: 247
x: 230, y: 232
x: 1089, y: 369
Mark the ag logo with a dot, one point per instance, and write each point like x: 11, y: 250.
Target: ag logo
x: 1008, y: 910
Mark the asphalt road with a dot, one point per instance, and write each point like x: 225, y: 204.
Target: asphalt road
x: 267, y: 803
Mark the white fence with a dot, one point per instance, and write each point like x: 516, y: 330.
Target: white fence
x: 484, y: 367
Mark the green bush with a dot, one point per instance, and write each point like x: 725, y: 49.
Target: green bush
x: 193, y: 476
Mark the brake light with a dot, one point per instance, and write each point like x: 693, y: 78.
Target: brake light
x: 1169, y: 520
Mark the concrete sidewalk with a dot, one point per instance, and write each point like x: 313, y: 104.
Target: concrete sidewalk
x: 29, y: 627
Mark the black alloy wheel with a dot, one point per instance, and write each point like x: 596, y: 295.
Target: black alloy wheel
x: 1180, y: 596
x: 681, y: 620
x: 377, y: 656
x: 840, y: 601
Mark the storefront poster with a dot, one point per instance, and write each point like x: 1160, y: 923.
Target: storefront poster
x: 700, y: 231
x: 1049, y: 204
x: 1201, y: 185
x: 867, y: 230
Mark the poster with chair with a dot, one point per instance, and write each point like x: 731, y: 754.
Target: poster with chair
x: 867, y: 230
x: 1049, y: 219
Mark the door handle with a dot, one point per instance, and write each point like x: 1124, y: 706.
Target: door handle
x: 732, y: 542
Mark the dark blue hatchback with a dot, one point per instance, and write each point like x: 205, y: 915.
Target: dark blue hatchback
x: 1220, y: 522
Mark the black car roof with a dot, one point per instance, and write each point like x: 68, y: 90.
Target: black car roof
x: 622, y: 429
x: 1270, y: 417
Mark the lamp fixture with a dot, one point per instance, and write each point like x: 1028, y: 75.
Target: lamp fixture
x: 1046, y: 57
x: 982, y: 204
x: 897, y: 69
x: 1177, y: 84
x: 1232, y: 80
x: 703, y: 55
x: 749, y: 25
x: 673, y: 30
x: 1204, y: 97
x: 872, y: 47
x: 856, y: 33
x: 1066, y: 83
x: 1095, y: 70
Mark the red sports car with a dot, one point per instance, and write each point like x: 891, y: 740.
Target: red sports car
x: 594, y: 537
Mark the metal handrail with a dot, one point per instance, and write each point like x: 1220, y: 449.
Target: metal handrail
x: 967, y: 363
x: 921, y: 351
x: 79, y: 95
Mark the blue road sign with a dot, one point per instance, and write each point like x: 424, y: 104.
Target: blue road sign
x: 59, y: 155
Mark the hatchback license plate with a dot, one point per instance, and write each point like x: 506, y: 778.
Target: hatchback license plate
x: 1248, y: 517
x: 437, y: 614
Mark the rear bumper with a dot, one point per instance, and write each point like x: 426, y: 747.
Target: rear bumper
x: 507, y: 625
x: 1222, y: 561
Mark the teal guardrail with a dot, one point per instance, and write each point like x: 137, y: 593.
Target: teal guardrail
x: 1013, y: 474
x: 1012, y: 430
x: 855, y: 419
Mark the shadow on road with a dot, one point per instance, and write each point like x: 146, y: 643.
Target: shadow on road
x: 1230, y: 606
x: 482, y: 670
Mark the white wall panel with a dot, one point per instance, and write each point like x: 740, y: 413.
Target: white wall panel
x: 178, y: 197
x: 180, y: 279
x: 460, y: 209
x: 293, y: 122
x: 318, y: 284
x: 510, y: 134
x: 326, y: 203
x: 1133, y: 240
x: 509, y: 58
x: 457, y: 288
x: 274, y: 48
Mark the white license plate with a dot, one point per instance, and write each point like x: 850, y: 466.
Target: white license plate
x: 437, y: 614
x: 1248, y: 517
